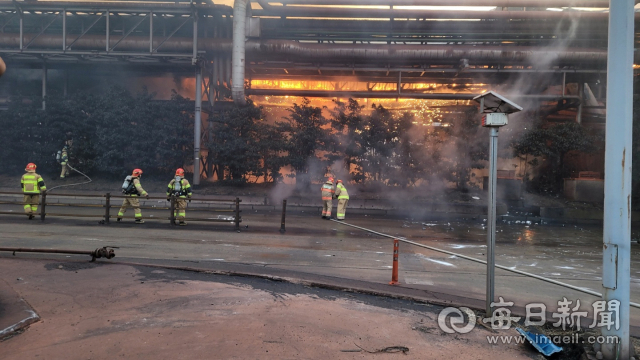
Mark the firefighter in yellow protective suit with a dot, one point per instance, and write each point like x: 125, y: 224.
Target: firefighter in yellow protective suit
x: 181, y: 189
x: 343, y: 198
x: 327, y: 197
x: 133, y: 191
x: 64, y: 159
x: 32, y: 185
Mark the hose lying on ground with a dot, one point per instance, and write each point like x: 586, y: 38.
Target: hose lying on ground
x: 65, y: 185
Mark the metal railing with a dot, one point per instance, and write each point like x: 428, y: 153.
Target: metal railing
x: 43, y: 204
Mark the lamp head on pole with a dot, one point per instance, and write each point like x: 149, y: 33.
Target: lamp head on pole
x: 495, y: 108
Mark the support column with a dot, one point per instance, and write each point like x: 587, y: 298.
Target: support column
x: 196, y: 127
x: 211, y: 97
x: 44, y: 84
x: 617, y: 179
x: 491, y: 219
x: 581, y: 96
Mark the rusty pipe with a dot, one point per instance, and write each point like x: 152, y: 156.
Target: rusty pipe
x: 261, y: 49
x: 3, y: 67
x: 105, y: 252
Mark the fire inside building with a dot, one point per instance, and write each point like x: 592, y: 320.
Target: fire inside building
x: 429, y: 63
x: 406, y: 55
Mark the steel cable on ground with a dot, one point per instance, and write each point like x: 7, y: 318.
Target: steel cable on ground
x: 76, y: 184
x: 555, y: 282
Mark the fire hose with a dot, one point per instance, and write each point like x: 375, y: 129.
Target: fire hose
x: 103, y: 252
x: 65, y: 185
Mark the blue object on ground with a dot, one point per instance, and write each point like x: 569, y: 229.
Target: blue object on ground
x: 541, y: 342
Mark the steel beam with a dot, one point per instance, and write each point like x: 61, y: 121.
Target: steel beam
x: 197, y: 127
x: 127, y: 33
x: 617, y: 179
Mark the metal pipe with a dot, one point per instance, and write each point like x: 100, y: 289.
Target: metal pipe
x: 196, y: 127
x: 387, y: 94
x: 498, y: 3
x: 21, y: 31
x: 359, y: 94
x: 3, y: 67
x: 115, y: 6
x: 371, y: 13
x: 555, y: 282
x: 64, y: 30
x: 491, y: 217
x: 616, y: 254
x: 107, y: 32
x: 581, y: 95
x: 105, y: 252
x: 151, y: 32
x: 239, y: 48
x: 262, y: 49
x: 194, y: 44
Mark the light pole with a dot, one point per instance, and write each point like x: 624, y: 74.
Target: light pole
x: 494, y: 109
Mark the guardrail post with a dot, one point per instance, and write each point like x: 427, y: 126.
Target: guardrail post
x: 284, y: 211
x: 394, y: 273
x: 107, y: 208
x: 238, y: 214
x: 42, y: 207
x: 172, y: 208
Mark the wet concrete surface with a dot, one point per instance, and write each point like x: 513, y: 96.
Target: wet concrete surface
x: 571, y: 254
x: 108, y: 311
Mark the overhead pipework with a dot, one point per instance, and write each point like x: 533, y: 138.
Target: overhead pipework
x: 238, y: 52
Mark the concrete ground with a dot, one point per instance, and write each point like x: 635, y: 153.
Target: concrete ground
x: 316, y: 251
x: 109, y: 311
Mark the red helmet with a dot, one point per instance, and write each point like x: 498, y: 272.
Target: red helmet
x: 339, y: 181
x: 136, y: 172
x: 31, y: 167
x: 180, y: 172
x: 330, y: 179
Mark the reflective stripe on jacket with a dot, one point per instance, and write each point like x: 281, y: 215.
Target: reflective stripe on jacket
x: 32, y: 183
x: 139, y: 190
x: 185, y: 188
x: 64, y: 158
x: 327, y: 191
x: 341, y: 192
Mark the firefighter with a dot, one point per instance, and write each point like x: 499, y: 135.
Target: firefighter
x: 181, y: 189
x: 64, y: 159
x: 133, y: 190
x: 32, y: 185
x: 343, y: 198
x: 327, y: 197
